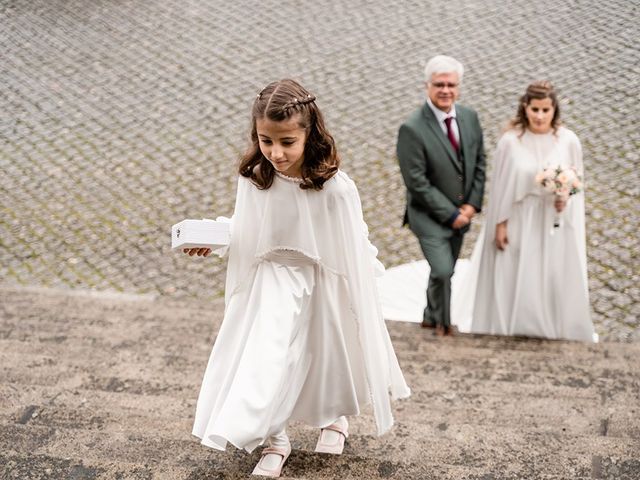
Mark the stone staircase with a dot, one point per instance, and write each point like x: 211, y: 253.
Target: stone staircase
x: 103, y: 386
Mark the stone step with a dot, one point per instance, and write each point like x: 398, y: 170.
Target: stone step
x: 104, y: 386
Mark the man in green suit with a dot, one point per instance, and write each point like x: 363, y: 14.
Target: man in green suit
x: 441, y: 154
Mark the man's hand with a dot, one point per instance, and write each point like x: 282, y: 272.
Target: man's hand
x: 501, y: 236
x: 461, y: 221
x: 468, y: 211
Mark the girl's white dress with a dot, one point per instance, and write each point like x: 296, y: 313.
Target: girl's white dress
x: 303, y: 336
x: 538, y: 285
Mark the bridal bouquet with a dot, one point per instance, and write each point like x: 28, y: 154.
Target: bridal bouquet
x: 561, y: 182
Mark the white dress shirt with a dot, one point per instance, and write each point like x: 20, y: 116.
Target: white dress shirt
x: 440, y: 116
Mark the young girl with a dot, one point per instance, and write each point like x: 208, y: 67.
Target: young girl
x: 303, y: 336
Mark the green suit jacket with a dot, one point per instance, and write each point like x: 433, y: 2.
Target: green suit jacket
x: 438, y: 180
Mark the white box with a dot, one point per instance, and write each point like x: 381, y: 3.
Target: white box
x: 200, y: 234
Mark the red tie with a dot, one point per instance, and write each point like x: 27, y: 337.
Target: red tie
x: 452, y: 137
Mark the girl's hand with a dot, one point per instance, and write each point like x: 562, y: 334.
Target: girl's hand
x: 560, y: 203
x: 201, y: 252
x: 501, y: 236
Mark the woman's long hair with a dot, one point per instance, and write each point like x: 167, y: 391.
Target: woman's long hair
x: 279, y: 101
x: 536, y: 91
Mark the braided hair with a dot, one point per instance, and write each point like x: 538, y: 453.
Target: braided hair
x: 279, y: 101
x: 538, y: 90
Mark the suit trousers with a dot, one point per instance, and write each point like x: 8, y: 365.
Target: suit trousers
x: 441, y: 254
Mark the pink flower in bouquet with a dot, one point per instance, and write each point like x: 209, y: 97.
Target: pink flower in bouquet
x: 550, y: 173
x: 560, y: 181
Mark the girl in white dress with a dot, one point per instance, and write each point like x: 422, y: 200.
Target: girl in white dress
x: 531, y: 276
x: 303, y: 336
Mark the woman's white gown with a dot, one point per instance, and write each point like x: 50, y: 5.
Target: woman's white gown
x: 303, y: 336
x: 538, y: 285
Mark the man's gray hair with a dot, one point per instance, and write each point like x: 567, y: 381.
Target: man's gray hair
x: 443, y: 64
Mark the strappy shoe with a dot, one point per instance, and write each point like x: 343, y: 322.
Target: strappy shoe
x: 275, y: 472
x: 337, y: 447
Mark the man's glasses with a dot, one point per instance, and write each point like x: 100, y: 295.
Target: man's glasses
x: 441, y: 85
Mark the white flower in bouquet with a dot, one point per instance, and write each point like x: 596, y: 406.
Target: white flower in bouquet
x: 561, y: 182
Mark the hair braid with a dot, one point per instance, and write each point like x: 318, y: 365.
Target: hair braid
x: 297, y: 102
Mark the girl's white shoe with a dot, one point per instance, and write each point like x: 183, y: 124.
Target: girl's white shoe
x: 332, y: 438
x: 274, y: 472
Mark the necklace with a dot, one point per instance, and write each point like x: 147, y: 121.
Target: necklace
x: 287, y: 177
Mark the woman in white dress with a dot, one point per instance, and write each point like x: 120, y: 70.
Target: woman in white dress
x: 531, y: 276
x: 303, y: 336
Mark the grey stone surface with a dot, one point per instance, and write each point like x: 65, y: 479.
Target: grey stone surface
x: 103, y: 386
x: 122, y: 118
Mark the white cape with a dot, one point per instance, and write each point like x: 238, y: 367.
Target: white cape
x: 302, y: 318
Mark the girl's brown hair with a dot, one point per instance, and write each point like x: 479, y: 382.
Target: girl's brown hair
x: 279, y: 101
x: 536, y: 91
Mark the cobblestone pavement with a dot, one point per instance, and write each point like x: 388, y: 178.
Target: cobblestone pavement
x: 120, y: 118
